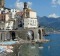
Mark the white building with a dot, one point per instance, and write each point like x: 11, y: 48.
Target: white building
x: 13, y: 18
x: 7, y: 19
x: 30, y: 23
x: 30, y: 19
x: 13, y: 12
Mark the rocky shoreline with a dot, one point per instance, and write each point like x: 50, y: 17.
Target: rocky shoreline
x: 9, y: 48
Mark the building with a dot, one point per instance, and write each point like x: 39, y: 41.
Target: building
x: 30, y: 17
x: 7, y: 19
x: 1, y: 3
x: 29, y: 29
x: 22, y: 24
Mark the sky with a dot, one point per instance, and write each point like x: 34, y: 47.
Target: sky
x: 50, y: 8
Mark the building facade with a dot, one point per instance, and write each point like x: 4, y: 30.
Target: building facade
x: 23, y: 24
x: 1, y: 3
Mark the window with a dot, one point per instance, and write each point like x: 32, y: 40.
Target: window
x: 27, y: 14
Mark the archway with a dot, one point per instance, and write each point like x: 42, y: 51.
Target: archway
x: 39, y: 33
x: 30, y: 35
x: 13, y: 35
x: 43, y: 32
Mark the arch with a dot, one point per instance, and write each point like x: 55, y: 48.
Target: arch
x: 13, y: 35
x: 43, y: 32
x: 39, y: 32
x: 30, y: 35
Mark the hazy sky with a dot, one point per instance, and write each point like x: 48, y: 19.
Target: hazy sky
x: 42, y: 7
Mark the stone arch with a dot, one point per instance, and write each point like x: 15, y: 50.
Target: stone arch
x: 13, y: 35
x: 43, y: 32
x: 39, y: 33
x: 30, y: 35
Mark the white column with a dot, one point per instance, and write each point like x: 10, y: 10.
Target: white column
x: 0, y: 36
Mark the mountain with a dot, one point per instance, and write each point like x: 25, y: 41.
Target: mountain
x: 49, y: 22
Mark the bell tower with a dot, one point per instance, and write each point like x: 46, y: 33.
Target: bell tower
x: 1, y: 3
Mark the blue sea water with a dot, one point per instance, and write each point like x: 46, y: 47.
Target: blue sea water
x: 51, y: 48
x: 8, y: 42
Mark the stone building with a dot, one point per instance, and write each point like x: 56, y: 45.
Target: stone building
x: 22, y: 24
x: 1, y: 3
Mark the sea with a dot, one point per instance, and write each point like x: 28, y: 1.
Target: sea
x: 51, y: 48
